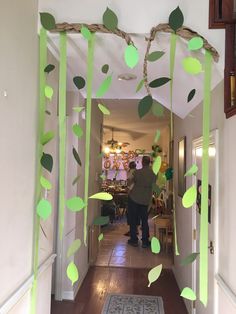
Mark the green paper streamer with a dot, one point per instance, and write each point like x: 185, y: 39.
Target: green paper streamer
x: 203, y: 271
x: 90, y: 61
x: 62, y: 131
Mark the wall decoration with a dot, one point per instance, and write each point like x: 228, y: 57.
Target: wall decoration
x: 181, y: 166
x: 199, y: 193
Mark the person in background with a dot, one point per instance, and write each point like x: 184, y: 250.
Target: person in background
x: 139, y: 199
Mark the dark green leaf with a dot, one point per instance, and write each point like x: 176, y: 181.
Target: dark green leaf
x: 105, y: 68
x: 49, y: 68
x: 79, y: 82
x: 145, y: 105
x: 110, y: 19
x: 47, y: 21
x: 76, y: 156
x: 189, y: 259
x: 159, y: 82
x: 155, y: 55
x: 101, y: 221
x: 47, y: 162
x: 176, y: 19
x: 76, y: 179
x: 48, y: 112
x: 169, y: 174
x: 191, y: 94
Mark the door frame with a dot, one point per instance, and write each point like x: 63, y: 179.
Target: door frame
x: 214, y: 139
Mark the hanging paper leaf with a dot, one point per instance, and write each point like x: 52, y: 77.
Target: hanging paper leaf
x: 140, y: 85
x: 76, y: 179
x: 79, y: 82
x: 161, y: 179
x: 72, y: 273
x: 105, y: 68
x: 103, y: 88
x: 195, y: 43
x: 157, y: 136
x: 101, y: 155
x: 78, y: 131
x: 157, y: 109
x: 191, y: 94
x: 48, y: 91
x: 144, y: 106
x: 100, y: 237
x: 110, y: 20
x: 45, y: 183
x: 189, y: 259
x: 192, y: 65
x: 159, y: 82
x: 48, y: 112
x: 86, y: 32
x: 169, y: 174
x: 76, y: 156
x: 192, y: 170
x: 189, y: 294
x: 78, y: 109
x: 44, y: 209
x: 101, y: 221
x: 155, y: 245
x: 131, y: 56
x: 189, y: 197
x: 103, y: 109
x: 47, y: 162
x: 49, y: 68
x: 103, y: 176
x: 102, y: 196
x: 156, y: 165
x: 47, y: 137
x: 155, y: 55
x: 75, y: 204
x: 73, y: 248
x: 176, y: 19
x: 156, y: 189
x: 154, y: 274
x: 47, y: 21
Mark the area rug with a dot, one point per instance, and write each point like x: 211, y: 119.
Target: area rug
x: 132, y: 304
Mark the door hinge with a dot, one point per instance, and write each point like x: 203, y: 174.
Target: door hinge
x: 194, y: 234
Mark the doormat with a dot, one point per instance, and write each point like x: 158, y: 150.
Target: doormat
x: 132, y: 304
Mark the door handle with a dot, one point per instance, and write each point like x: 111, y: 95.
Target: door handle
x: 211, y: 247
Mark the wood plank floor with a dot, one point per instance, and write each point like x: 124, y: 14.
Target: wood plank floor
x: 102, y: 280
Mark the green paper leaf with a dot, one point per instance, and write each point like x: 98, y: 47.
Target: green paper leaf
x: 192, y: 170
x: 47, y: 137
x: 195, y: 43
x: 45, y: 183
x: 156, y: 165
x: 48, y: 112
x: 47, y: 162
x: 157, y: 136
x: 86, y: 32
x: 159, y: 82
x: 103, y: 109
x: 189, y: 294
x: 110, y: 20
x: 75, y: 204
x: 73, y: 248
x: 189, y: 197
x: 101, y: 221
x: 176, y: 19
x: 79, y: 82
x: 191, y: 94
x: 47, y: 21
x: 78, y: 131
x: 192, y: 65
x: 76, y: 179
x: 48, y: 91
x: 44, y: 209
x: 103, y: 88
x: 76, y: 156
x: 155, y: 245
x: 49, y: 68
x: 157, y: 109
x: 103, y: 176
x: 161, y: 179
x: 131, y: 56
x: 189, y: 259
x: 156, y: 189
x: 100, y: 237
x: 154, y: 274
x: 105, y: 68
x: 72, y: 273
x: 155, y: 55
x: 140, y: 85
x: 144, y: 106
x: 102, y: 196
x: 169, y: 174
x: 78, y: 109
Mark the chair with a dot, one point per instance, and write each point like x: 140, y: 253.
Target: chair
x: 162, y: 229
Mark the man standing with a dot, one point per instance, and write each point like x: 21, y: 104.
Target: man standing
x: 139, y: 200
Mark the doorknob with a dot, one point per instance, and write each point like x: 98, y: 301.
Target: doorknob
x: 211, y: 247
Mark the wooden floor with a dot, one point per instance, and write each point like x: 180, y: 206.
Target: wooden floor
x: 102, y: 280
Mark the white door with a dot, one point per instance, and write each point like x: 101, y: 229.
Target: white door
x: 212, y: 223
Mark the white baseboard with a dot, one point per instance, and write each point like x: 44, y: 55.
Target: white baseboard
x: 226, y: 289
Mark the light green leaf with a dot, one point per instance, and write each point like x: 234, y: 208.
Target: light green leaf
x: 155, y: 245
x: 140, y: 85
x: 47, y: 137
x: 144, y: 106
x: 195, y: 43
x: 45, y: 183
x: 193, y: 170
x: 72, y: 273
x: 104, y: 87
x: 86, y: 32
x: 110, y: 20
x: 157, y: 136
x: 189, y: 294
x: 44, y: 209
x: 76, y: 179
x: 154, y: 274
x: 103, y: 176
x: 155, y: 55
x: 73, y: 248
x: 189, y: 259
x: 78, y: 109
x: 189, y: 197
x: 156, y: 165
x: 192, y: 65
x: 157, y: 109
x: 78, y: 131
x: 48, y: 91
x: 176, y: 19
x: 104, y: 109
x: 101, y: 221
x: 102, y: 196
x: 75, y: 204
x: 47, y: 21
x: 100, y: 237
x: 131, y: 56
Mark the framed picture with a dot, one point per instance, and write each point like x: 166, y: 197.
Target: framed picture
x: 181, y: 166
x: 199, y: 193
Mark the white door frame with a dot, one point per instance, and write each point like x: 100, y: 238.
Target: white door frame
x: 214, y: 139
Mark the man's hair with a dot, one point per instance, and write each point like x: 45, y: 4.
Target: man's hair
x: 146, y: 161
x: 132, y: 165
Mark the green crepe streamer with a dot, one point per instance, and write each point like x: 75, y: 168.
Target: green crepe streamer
x: 173, y: 40
x: 203, y: 274
x: 90, y: 60
x: 42, y: 107
x: 62, y: 130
